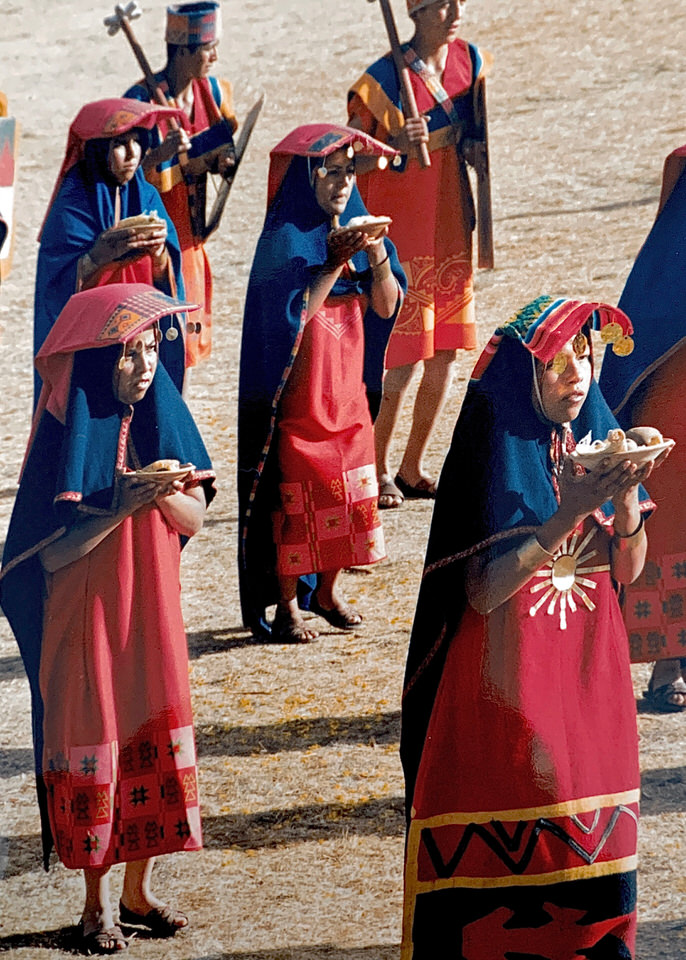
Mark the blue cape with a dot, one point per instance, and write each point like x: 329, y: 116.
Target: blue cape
x: 79, y: 458
x: 83, y: 208
x: 497, y: 477
x: 654, y: 298
x: 290, y: 253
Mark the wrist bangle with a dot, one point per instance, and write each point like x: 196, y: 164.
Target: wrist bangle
x: 624, y: 540
x: 382, y: 270
x: 531, y: 554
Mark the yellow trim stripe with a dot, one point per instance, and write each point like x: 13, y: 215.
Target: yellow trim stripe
x: 600, y: 869
x: 567, y: 809
x: 374, y: 97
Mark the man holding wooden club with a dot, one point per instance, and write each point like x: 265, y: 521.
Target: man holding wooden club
x: 178, y: 164
x: 430, y: 201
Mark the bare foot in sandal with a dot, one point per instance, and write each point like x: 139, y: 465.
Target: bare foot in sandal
x: 390, y: 497
x: 666, y: 691
x: 96, y: 938
x: 289, y: 626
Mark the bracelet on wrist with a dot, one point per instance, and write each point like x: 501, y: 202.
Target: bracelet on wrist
x: 626, y: 540
x: 382, y: 271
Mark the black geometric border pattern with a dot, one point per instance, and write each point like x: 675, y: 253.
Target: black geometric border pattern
x: 504, y: 845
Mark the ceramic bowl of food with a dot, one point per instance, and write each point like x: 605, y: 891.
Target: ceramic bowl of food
x: 640, y: 445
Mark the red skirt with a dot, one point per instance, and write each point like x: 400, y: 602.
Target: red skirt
x: 119, y: 759
x: 524, y: 823
x: 328, y: 518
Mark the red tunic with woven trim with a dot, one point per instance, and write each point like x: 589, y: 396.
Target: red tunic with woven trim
x: 528, y: 785
x: 119, y: 756
x: 328, y: 518
x: 655, y: 603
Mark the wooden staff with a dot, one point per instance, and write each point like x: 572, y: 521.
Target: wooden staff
x: 484, y: 215
x: 406, y: 91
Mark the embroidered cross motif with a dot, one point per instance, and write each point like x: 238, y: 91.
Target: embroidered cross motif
x: 674, y: 606
x: 642, y: 609
x: 139, y: 795
x: 182, y: 829
x: 91, y: 844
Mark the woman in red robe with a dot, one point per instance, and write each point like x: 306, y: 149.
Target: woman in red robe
x: 90, y: 584
x: 318, y: 312
x: 519, y: 727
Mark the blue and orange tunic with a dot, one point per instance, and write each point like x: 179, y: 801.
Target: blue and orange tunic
x: 432, y: 208
x: 212, y: 105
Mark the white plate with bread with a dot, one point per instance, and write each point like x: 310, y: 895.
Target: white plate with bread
x: 640, y: 445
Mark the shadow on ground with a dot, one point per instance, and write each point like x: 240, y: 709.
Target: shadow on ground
x: 63, y: 939
x: 11, y: 667
x: 217, y: 641
x: 383, y: 817
x: 323, y: 952
x: 220, y: 740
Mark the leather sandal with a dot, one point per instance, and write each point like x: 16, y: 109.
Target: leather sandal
x: 102, y: 940
x: 659, y: 697
x: 161, y: 921
x: 425, y: 489
x: 341, y: 617
x: 390, y: 497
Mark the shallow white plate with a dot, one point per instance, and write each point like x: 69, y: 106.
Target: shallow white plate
x: 592, y: 458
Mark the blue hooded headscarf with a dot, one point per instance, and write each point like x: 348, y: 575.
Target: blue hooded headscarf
x: 82, y: 207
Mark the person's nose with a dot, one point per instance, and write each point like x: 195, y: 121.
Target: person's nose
x: 574, y: 370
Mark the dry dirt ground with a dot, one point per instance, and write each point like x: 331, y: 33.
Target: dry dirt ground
x: 300, y: 776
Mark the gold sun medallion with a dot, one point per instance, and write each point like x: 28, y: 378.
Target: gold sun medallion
x: 563, y: 578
